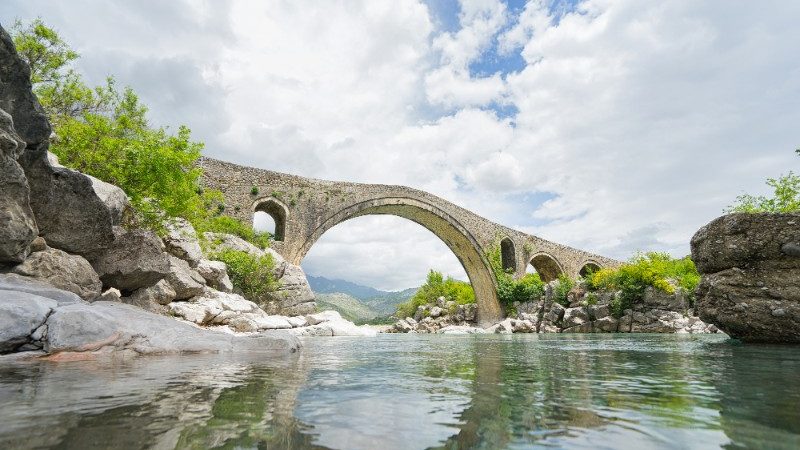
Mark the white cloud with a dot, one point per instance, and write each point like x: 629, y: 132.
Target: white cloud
x: 641, y: 120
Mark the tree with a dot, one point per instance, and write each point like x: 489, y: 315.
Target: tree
x: 786, y: 196
x: 103, y: 131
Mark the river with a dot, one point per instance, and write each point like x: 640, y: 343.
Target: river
x: 419, y: 391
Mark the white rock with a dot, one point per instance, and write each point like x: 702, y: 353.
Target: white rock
x: 216, y: 274
x: 461, y: 329
x: 266, y: 322
x: 323, y: 316
x: 297, y: 321
x: 181, y: 241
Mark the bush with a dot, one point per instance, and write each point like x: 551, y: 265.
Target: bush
x: 232, y: 225
x: 657, y: 270
x: 560, y: 291
x: 786, y: 197
x: 528, y: 288
x: 250, y: 274
x: 437, y: 286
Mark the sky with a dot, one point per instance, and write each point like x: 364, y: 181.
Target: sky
x: 614, y: 126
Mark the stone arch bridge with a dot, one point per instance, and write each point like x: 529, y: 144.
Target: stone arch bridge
x: 304, y: 209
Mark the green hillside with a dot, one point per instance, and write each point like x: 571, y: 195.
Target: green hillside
x: 349, y: 307
x: 386, y: 303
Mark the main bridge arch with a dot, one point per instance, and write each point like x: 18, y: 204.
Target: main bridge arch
x: 460, y: 241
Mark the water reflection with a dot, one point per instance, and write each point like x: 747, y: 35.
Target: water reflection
x: 398, y: 391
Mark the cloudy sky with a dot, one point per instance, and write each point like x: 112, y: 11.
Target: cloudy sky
x: 609, y: 125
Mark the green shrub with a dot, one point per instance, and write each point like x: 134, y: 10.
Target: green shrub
x: 786, y: 197
x: 657, y: 270
x: 437, y: 286
x: 560, y: 291
x: 254, y: 190
x: 232, y: 225
x: 528, y: 288
x: 250, y: 274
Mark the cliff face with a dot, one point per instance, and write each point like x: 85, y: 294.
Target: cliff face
x: 62, y: 205
x: 750, y: 264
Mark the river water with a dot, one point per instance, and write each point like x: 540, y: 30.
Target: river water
x: 419, y: 391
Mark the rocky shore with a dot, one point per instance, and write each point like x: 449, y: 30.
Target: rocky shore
x: 585, y: 312
x: 79, y: 279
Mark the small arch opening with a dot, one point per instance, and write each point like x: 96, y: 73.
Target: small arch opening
x: 546, y: 266
x: 263, y: 222
x: 508, y: 255
x: 589, y: 268
x: 269, y: 215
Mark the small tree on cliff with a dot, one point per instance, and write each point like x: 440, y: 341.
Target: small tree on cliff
x: 786, y: 197
x: 104, y: 132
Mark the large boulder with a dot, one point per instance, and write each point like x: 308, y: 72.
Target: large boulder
x: 116, y: 326
x: 68, y: 272
x: 153, y: 298
x: 113, y: 198
x: 17, y: 224
x: 21, y: 313
x: 136, y: 260
x: 184, y: 280
x: 750, y: 286
x: 293, y: 296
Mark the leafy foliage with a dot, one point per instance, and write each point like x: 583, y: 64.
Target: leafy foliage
x: 232, y: 225
x: 786, y: 196
x: 562, y: 288
x: 655, y: 269
x: 251, y: 274
x: 509, y: 290
x: 104, y: 132
x: 437, y: 286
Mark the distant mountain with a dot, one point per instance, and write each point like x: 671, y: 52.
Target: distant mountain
x: 383, y: 303
x: 386, y: 304
x: 349, y: 307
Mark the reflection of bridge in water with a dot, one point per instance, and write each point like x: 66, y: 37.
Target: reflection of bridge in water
x: 304, y: 209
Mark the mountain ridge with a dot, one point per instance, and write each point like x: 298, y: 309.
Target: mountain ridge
x: 382, y: 302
